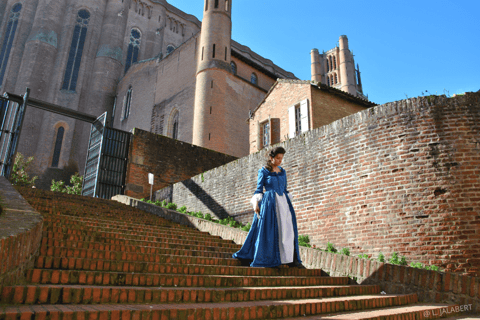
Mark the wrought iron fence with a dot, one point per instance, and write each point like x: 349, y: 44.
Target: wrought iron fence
x: 106, y: 164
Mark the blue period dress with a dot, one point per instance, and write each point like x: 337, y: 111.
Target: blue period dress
x: 273, y: 237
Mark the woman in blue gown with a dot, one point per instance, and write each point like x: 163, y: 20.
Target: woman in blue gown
x: 273, y: 237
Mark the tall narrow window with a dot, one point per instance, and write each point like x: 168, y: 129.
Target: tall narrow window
x: 336, y: 79
x: 328, y: 69
x: 266, y: 134
x: 226, y: 53
x: 226, y: 5
x: 206, y: 5
x: 253, y: 78
x: 234, y: 67
x: 8, y: 38
x: 331, y: 64
x: 133, y: 48
x: 213, y: 55
x: 334, y: 63
x: 175, y: 127
x: 328, y: 81
x: 127, y: 104
x: 58, y: 147
x: 298, y: 120
x: 76, y: 50
x: 216, y: 4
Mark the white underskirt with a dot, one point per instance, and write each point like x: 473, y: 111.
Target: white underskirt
x: 285, y: 229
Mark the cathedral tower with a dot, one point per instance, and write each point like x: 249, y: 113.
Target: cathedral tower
x: 347, y: 67
x: 316, y: 66
x: 211, y: 116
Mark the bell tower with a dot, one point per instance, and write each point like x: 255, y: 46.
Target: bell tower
x: 211, y: 117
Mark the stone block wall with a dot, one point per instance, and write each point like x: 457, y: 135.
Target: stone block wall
x: 20, y: 235
x: 401, y: 177
x: 169, y: 160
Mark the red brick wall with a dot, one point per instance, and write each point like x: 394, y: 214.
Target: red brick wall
x: 284, y: 95
x: 401, y: 177
x: 20, y: 235
x: 169, y: 160
x: 327, y: 107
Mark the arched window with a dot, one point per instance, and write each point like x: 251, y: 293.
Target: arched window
x: 216, y: 4
x: 328, y: 81
x: 226, y: 5
x: 76, y: 50
x: 133, y: 48
x: 127, y: 104
x: 328, y: 69
x: 170, y: 49
x: 175, y: 127
x: 8, y: 38
x: 253, y: 78
x: 234, y: 67
x: 336, y: 79
x: 58, y: 147
x: 331, y: 64
x: 206, y: 5
x: 334, y: 63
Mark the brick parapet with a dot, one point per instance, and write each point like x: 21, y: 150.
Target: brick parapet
x: 431, y: 286
x: 20, y: 235
x: 400, y: 177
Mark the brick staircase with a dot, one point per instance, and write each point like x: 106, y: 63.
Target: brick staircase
x: 101, y: 260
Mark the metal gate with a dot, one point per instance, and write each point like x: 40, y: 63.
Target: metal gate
x: 12, y: 112
x: 106, y: 165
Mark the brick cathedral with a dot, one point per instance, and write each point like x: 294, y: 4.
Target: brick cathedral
x: 146, y: 63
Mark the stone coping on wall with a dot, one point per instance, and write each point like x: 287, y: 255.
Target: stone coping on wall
x: 20, y: 235
x: 431, y: 286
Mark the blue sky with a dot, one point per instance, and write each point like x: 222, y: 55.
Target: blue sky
x: 403, y: 47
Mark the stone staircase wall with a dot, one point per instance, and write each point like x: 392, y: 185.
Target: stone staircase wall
x: 20, y: 235
x: 400, y: 177
x: 431, y: 286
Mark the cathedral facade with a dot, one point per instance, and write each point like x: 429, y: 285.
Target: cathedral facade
x: 145, y: 62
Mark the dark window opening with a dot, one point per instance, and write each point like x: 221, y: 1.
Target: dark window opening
x: 253, y: 78
x: 128, y: 102
x: 170, y: 49
x: 202, y: 52
x: 234, y: 67
x: 8, y: 38
x: 58, y: 147
x: 213, y: 55
x: 175, y: 127
x: 216, y: 4
x: 206, y: 5
x: 211, y: 84
x: 76, y: 51
x: 210, y: 110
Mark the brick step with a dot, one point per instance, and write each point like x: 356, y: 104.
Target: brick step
x: 63, y: 252
x: 65, y: 227
x: 167, y: 225
x: 43, y: 262
x: 91, y: 210
x: 132, y: 246
x: 117, y: 238
x: 266, y: 309
x: 415, y: 311
x: 75, y: 277
x: 172, y: 237
x: 114, y: 225
x: 90, y: 249
x: 50, y: 294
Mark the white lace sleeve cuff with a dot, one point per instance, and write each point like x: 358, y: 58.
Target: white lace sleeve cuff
x: 256, y: 199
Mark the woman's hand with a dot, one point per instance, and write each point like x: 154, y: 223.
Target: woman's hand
x: 257, y: 209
